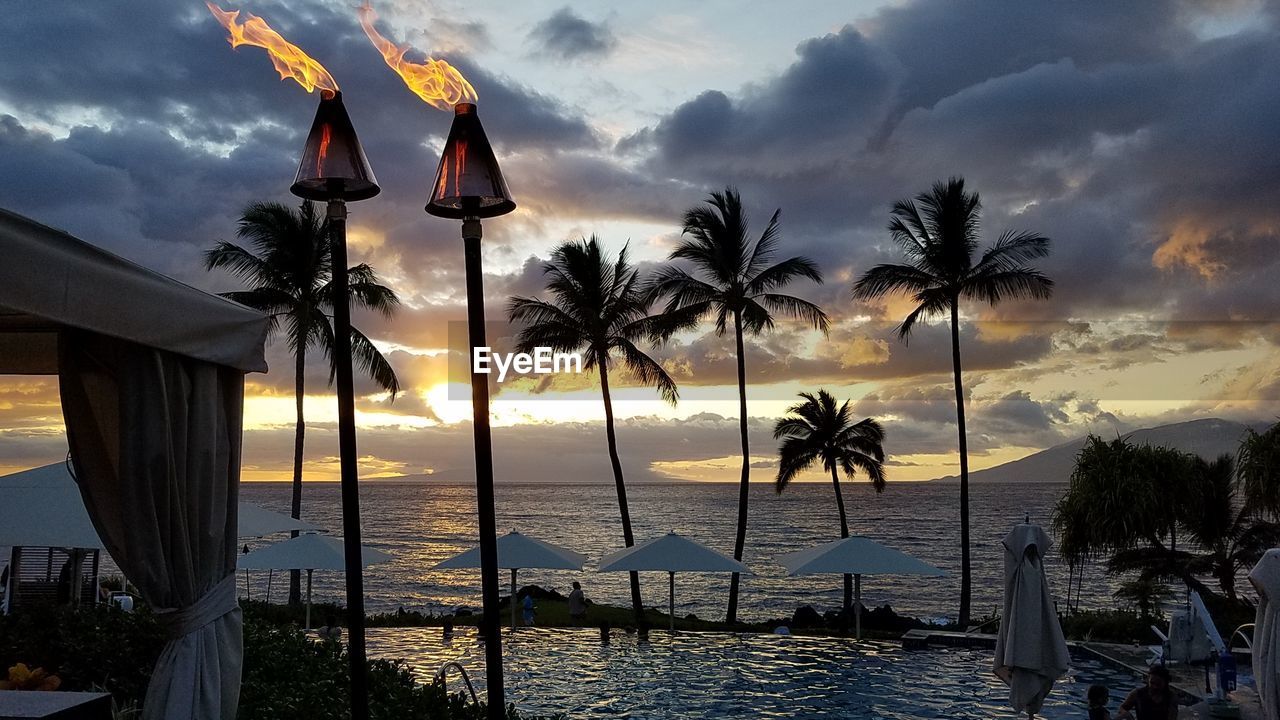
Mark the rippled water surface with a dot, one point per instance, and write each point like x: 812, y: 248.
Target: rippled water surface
x: 722, y: 675
x: 422, y: 524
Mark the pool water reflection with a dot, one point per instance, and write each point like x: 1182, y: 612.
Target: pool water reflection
x: 723, y: 675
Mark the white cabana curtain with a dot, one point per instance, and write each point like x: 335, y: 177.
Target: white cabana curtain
x: 155, y: 440
x: 1265, y: 578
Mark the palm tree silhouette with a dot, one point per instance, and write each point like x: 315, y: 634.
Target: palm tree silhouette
x: 599, y: 309
x: 289, y: 271
x: 816, y: 431
x: 939, y: 233
x: 738, y: 286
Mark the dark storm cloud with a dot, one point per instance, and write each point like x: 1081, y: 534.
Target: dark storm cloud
x: 177, y: 132
x: 567, y: 36
x: 1146, y: 156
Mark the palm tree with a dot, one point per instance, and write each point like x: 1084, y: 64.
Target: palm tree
x: 598, y: 309
x: 738, y: 286
x: 817, y: 431
x: 939, y: 233
x: 288, y: 270
x: 1258, y: 465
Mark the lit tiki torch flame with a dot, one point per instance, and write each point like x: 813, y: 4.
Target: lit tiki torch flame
x: 288, y: 58
x: 333, y: 162
x: 468, y: 182
x: 435, y: 81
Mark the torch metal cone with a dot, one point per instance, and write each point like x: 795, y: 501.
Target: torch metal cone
x: 468, y: 182
x: 333, y: 164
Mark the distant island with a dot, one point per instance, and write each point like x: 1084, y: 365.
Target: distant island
x: 1207, y: 438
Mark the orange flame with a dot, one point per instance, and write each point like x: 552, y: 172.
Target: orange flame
x: 435, y: 81
x: 288, y: 58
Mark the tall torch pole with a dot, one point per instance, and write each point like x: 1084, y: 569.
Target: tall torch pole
x: 469, y: 186
x: 485, y: 505
x: 334, y: 170
x: 337, y: 215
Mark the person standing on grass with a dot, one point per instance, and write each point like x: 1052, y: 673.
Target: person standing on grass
x: 528, y: 610
x: 577, y: 604
x: 1153, y: 701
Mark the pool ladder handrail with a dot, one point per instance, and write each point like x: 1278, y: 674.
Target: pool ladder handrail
x: 1248, y: 641
x: 442, y: 676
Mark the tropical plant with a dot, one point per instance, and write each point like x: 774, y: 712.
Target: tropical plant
x: 938, y: 234
x: 1128, y: 503
x: 289, y: 269
x: 1146, y: 595
x: 739, y: 288
x: 597, y: 307
x: 1258, y: 464
x: 817, y: 431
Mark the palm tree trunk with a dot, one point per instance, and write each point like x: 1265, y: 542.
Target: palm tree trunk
x: 636, y: 605
x: 299, y: 435
x: 966, y: 577
x: 740, y: 540
x: 844, y: 533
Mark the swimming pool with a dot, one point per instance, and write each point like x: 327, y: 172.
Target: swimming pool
x: 724, y: 675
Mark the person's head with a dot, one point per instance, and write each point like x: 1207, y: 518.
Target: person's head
x: 1098, y: 695
x: 1158, y: 677
x: 577, y: 585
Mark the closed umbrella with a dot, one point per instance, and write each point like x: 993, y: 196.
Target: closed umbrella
x: 1265, y: 577
x: 307, y: 552
x: 517, y: 552
x: 671, y: 553
x: 856, y: 556
x: 1031, y: 652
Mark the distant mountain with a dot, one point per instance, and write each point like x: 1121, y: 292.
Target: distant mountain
x: 1207, y: 438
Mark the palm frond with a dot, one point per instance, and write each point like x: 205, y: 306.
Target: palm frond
x: 647, y: 370
x: 889, y: 279
x: 369, y: 360
x: 797, y: 308
x: 781, y: 274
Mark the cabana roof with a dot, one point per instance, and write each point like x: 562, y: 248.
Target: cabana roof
x: 50, y: 280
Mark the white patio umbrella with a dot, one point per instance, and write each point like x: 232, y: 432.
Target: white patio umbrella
x: 517, y: 552
x: 254, y: 521
x: 307, y: 552
x: 671, y: 553
x: 43, y: 507
x: 1265, y: 577
x: 856, y: 556
x: 1031, y: 653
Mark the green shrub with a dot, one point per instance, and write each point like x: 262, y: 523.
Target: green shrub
x: 92, y: 649
x: 286, y: 675
x: 1117, y: 626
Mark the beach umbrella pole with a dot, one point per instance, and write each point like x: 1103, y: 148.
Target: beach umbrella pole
x: 308, y: 599
x: 513, y: 597
x: 269, y: 574
x: 857, y: 606
x: 671, y: 600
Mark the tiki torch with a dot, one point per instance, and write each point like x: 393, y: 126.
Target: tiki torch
x: 334, y: 170
x: 469, y: 187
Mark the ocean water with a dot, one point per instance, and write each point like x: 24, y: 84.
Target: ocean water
x: 421, y: 524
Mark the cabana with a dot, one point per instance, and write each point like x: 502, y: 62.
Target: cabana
x: 151, y: 377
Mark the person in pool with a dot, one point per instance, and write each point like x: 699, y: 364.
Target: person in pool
x: 1098, y: 697
x: 1153, y: 701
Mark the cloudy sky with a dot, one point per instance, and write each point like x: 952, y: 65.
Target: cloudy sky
x: 1140, y: 137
